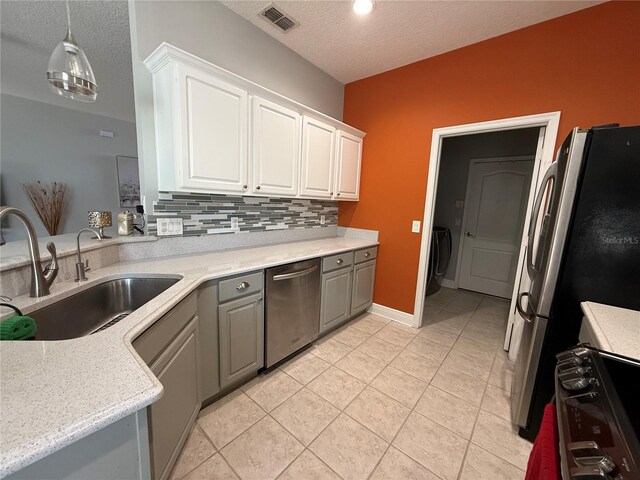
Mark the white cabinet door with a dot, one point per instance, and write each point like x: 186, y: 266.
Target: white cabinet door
x: 348, y: 161
x: 214, y: 119
x: 276, y: 149
x: 318, y: 150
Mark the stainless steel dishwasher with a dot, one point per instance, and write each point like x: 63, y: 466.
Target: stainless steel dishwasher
x: 292, y: 308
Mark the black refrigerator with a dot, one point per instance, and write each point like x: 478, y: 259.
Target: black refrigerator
x: 584, y: 245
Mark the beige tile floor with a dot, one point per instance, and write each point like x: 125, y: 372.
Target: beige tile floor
x: 377, y: 400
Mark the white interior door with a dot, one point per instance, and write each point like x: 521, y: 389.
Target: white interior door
x: 495, y: 211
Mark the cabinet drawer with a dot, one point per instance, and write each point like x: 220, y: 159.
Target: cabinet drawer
x: 366, y: 254
x: 240, y: 286
x: 154, y: 340
x: 335, y: 262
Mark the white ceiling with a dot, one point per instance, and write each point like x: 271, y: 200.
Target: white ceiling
x: 30, y: 31
x: 396, y: 33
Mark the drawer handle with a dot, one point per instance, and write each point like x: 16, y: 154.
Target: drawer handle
x: 367, y: 254
x: 339, y: 261
x: 242, y: 286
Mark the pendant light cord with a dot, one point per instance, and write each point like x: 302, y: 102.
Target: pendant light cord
x: 68, y: 16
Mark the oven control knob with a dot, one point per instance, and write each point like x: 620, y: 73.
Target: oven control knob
x: 589, y: 473
x: 573, y: 355
x: 577, y: 383
x: 589, y: 454
x: 570, y: 363
x: 574, y: 379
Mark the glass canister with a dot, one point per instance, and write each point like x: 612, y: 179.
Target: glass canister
x: 125, y: 223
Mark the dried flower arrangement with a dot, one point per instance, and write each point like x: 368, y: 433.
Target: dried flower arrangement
x: 48, y: 201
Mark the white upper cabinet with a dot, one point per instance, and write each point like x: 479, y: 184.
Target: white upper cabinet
x: 275, y: 149
x: 216, y: 132
x: 201, y: 131
x: 348, y: 163
x: 214, y: 129
x: 318, y: 153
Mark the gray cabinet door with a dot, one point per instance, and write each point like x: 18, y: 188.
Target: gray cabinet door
x: 208, y: 340
x: 363, y: 278
x: 335, y: 298
x: 171, y: 417
x: 241, y: 338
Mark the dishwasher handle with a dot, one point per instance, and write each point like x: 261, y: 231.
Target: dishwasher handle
x: 301, y: 273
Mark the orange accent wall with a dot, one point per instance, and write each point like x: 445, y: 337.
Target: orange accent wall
x: 585, y: 64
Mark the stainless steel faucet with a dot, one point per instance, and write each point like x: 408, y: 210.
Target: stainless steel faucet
x: 40, y: 280
x: 81, y: 268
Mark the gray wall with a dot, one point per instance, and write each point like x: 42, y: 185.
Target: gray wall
x: 211, y: 31
x: 457, y: 153
x: 51, y: 143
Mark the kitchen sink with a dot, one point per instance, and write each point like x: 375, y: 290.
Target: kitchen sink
x: 97, y: 307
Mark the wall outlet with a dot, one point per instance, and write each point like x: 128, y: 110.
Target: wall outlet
x: 234, y: 224
x: 459, y: 203
x: 169, y: 226
x: 323, y: 220
x: 415, y: 226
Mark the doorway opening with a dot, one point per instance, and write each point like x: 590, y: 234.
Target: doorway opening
x: 480, y: 192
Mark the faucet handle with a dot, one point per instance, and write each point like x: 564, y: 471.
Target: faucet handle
x: 51, y: 270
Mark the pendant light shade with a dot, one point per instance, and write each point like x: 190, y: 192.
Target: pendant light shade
x: 69, y: 72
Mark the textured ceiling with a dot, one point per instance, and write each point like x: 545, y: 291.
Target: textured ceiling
x: 397, y: 33
x: 31, y: 30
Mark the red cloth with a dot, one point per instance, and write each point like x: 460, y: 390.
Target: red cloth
x: 544, y: 462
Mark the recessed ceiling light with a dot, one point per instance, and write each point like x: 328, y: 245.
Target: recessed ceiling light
x: 363, y: 7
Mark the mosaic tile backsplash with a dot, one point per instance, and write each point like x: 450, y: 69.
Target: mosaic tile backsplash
x: 204, y: 214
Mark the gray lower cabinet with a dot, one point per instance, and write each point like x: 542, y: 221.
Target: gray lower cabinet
x: 115, y: 452
x: 171, y: 417
x: 335, y: 298
x: 241, y: 337
x: 209, y: 355
x: 170, y: 348
x: 363, y: 280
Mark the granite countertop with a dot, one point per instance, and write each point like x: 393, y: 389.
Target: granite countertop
x: 56, y: 392
x: 613, y: 329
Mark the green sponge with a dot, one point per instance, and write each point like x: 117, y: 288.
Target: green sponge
x: 18, y: 327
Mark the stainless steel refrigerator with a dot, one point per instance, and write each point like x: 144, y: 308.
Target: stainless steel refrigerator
x: 586, y: 247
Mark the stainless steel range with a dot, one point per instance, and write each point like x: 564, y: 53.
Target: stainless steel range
x: 597, y: 400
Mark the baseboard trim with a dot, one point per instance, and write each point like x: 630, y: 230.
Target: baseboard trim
x: 449, y: 283
x: 392, y: 314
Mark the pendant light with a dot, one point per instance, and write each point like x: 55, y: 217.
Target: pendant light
x: 69, y: 72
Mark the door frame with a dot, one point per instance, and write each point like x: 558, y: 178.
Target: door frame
x: 550, y: 121
x: 465, y: 217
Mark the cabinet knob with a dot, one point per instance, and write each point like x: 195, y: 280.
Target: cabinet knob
x: 258, y: 187
x: 338, y: 194
x: 244, y: 186
x: 331, y: 194
x: 339, y: 261
x: 242, y: 285
x: 367, y: 254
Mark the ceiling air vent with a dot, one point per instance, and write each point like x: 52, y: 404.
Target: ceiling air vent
x: 278, y: 18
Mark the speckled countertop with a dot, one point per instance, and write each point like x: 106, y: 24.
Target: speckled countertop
x: 56, y: 392
x: 613, y: 329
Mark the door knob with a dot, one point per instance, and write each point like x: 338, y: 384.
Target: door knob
x: 470, y: 235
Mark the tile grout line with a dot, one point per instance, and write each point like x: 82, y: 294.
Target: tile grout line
x: 475, y: 424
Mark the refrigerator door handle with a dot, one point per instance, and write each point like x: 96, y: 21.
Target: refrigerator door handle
x: 551, y: 174
x: 527, y: 316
